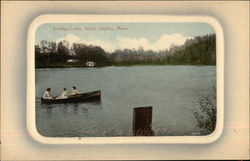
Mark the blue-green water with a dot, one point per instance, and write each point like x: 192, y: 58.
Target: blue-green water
x: 169, y: 89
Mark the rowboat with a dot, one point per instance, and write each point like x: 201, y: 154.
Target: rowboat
x: 83, y: 97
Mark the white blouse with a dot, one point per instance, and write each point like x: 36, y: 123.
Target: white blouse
x: 64, y: 94
x: 46, y: 95
x: 74, y: 92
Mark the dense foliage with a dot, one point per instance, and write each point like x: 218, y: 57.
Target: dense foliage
x: 200, y: 50
x: 206, y: 112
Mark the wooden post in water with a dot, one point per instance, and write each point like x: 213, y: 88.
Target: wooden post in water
x: 142, y: 121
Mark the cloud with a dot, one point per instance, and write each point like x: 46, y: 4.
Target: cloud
x: 130, y: 43
x: 71, y: 38
x: 167, y: 40
x: 163, y: 43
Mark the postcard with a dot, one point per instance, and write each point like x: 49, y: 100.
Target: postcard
x: 125, y: 79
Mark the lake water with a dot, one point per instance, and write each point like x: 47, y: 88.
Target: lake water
x: 169, y: 89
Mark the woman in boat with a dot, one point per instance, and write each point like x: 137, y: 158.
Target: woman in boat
x: 74, y: 91
x: 63, y: 95
x: 47, y: 95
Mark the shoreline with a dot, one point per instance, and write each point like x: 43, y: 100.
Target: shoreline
x: 121, y: 65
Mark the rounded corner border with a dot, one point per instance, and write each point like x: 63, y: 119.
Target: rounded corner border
x: 50, y: 18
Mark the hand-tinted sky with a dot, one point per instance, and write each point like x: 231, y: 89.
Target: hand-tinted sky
x: 153, y: 36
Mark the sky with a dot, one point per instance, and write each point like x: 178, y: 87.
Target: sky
x: 113, y: 36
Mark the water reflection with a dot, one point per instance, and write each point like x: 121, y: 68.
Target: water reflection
x: 84, y: 110
x: 65, y: 109
x: 49, y: 110
x: 74, y: 108
x: 168, y: 88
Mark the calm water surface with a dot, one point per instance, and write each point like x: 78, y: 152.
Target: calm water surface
x: 169, y: 89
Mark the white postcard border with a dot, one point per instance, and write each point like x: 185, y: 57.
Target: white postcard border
x: 68, y: 18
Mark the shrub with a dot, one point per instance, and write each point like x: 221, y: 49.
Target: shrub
x: 206, y: 112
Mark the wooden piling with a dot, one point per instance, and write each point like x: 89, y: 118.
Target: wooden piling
x: 142, y: 121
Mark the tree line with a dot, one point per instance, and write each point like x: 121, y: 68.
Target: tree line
x: 200, y: 50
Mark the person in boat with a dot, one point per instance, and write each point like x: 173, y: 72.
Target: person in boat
x: 63, y: 95
x: 47, y: 95
x: 74, y: 91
